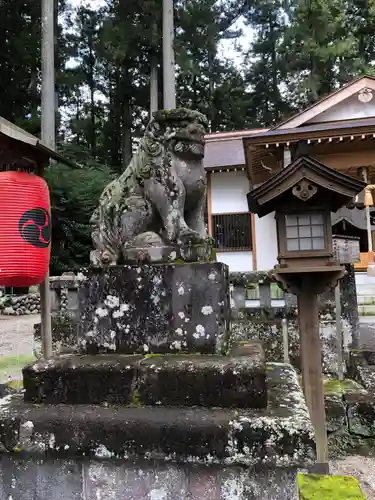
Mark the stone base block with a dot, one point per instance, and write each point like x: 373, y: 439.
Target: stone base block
x: 78, y: 379
x: 216, y: 381
x: 171, y: 380
x: 156, y: 308
x: 30, y: 478
x: 281, y: 434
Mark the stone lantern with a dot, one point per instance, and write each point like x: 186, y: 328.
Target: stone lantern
x: 303, y: 195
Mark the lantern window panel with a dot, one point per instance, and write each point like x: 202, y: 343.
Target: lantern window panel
x: 305, y: 232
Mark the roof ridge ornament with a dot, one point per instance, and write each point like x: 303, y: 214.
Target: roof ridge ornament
x: 365, y: 95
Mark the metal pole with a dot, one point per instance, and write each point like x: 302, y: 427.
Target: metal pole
x: 169, y: 70
x: 339, y: 339
x: 48, y: 138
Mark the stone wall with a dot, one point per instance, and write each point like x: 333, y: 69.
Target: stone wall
x: 265, y: 322
x: 63, y: 291
x: 350, y: 407
x: 18, y: 305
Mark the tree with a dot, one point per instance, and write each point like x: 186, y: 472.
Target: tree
x: 200, y: 26
x: 74, y: 196
x: 264, y: 67
x: 20, y: 28
x: 316, y: 44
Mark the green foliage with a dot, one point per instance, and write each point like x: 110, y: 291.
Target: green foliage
x: 74, y: 196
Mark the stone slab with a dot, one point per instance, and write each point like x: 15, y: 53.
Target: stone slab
x: 78, y: 379
x: 30, y: 478
x: 216, y: 381
x: 155, y: 308
x: 335, y: 412
x: 362, y: 368
x: 361, y: 413
x: 162, y: 254
x: 185, y: 380
x: 280, y: 435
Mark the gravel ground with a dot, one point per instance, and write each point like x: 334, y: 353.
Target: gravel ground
x: 16, y: 339
x: 363, y: 468
x: 16, y: 334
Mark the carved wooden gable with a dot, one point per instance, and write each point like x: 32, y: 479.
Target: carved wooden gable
x: 305, y: 181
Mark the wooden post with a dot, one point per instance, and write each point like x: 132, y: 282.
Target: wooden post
x: 48, y: 138
x: 253, y: 243
x: 312, y: 373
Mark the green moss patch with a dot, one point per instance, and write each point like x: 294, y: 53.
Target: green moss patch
x: 334, y: 386
x: 136, y: 399
x: 316, y: 487
x: 12, y: 363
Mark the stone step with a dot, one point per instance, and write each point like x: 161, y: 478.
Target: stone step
x: 280, y: 434
x: 171, y: 380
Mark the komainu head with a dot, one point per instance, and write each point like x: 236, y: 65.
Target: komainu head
x: 181, y: 131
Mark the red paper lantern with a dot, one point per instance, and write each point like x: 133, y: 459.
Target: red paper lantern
x: 25, y: 229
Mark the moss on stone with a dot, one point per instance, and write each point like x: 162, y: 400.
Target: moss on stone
x: 315, y: 487
x: 136, y: 399
x: 334, y: 386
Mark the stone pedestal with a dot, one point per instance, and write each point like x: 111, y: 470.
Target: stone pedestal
x: 155, y: 308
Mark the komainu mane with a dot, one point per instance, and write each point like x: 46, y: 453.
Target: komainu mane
x: 160, y: 198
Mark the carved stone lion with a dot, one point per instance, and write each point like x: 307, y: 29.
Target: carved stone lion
x: 160, y: 198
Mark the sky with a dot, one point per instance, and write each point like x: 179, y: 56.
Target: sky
x: 226, y: 48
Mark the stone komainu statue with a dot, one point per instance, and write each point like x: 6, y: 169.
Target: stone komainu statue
x: 160, y: 198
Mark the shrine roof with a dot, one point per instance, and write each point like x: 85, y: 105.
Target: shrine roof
x: 33, y: 149
x: 335, y: 189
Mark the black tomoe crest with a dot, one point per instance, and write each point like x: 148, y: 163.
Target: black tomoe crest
x: 35, y: 227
